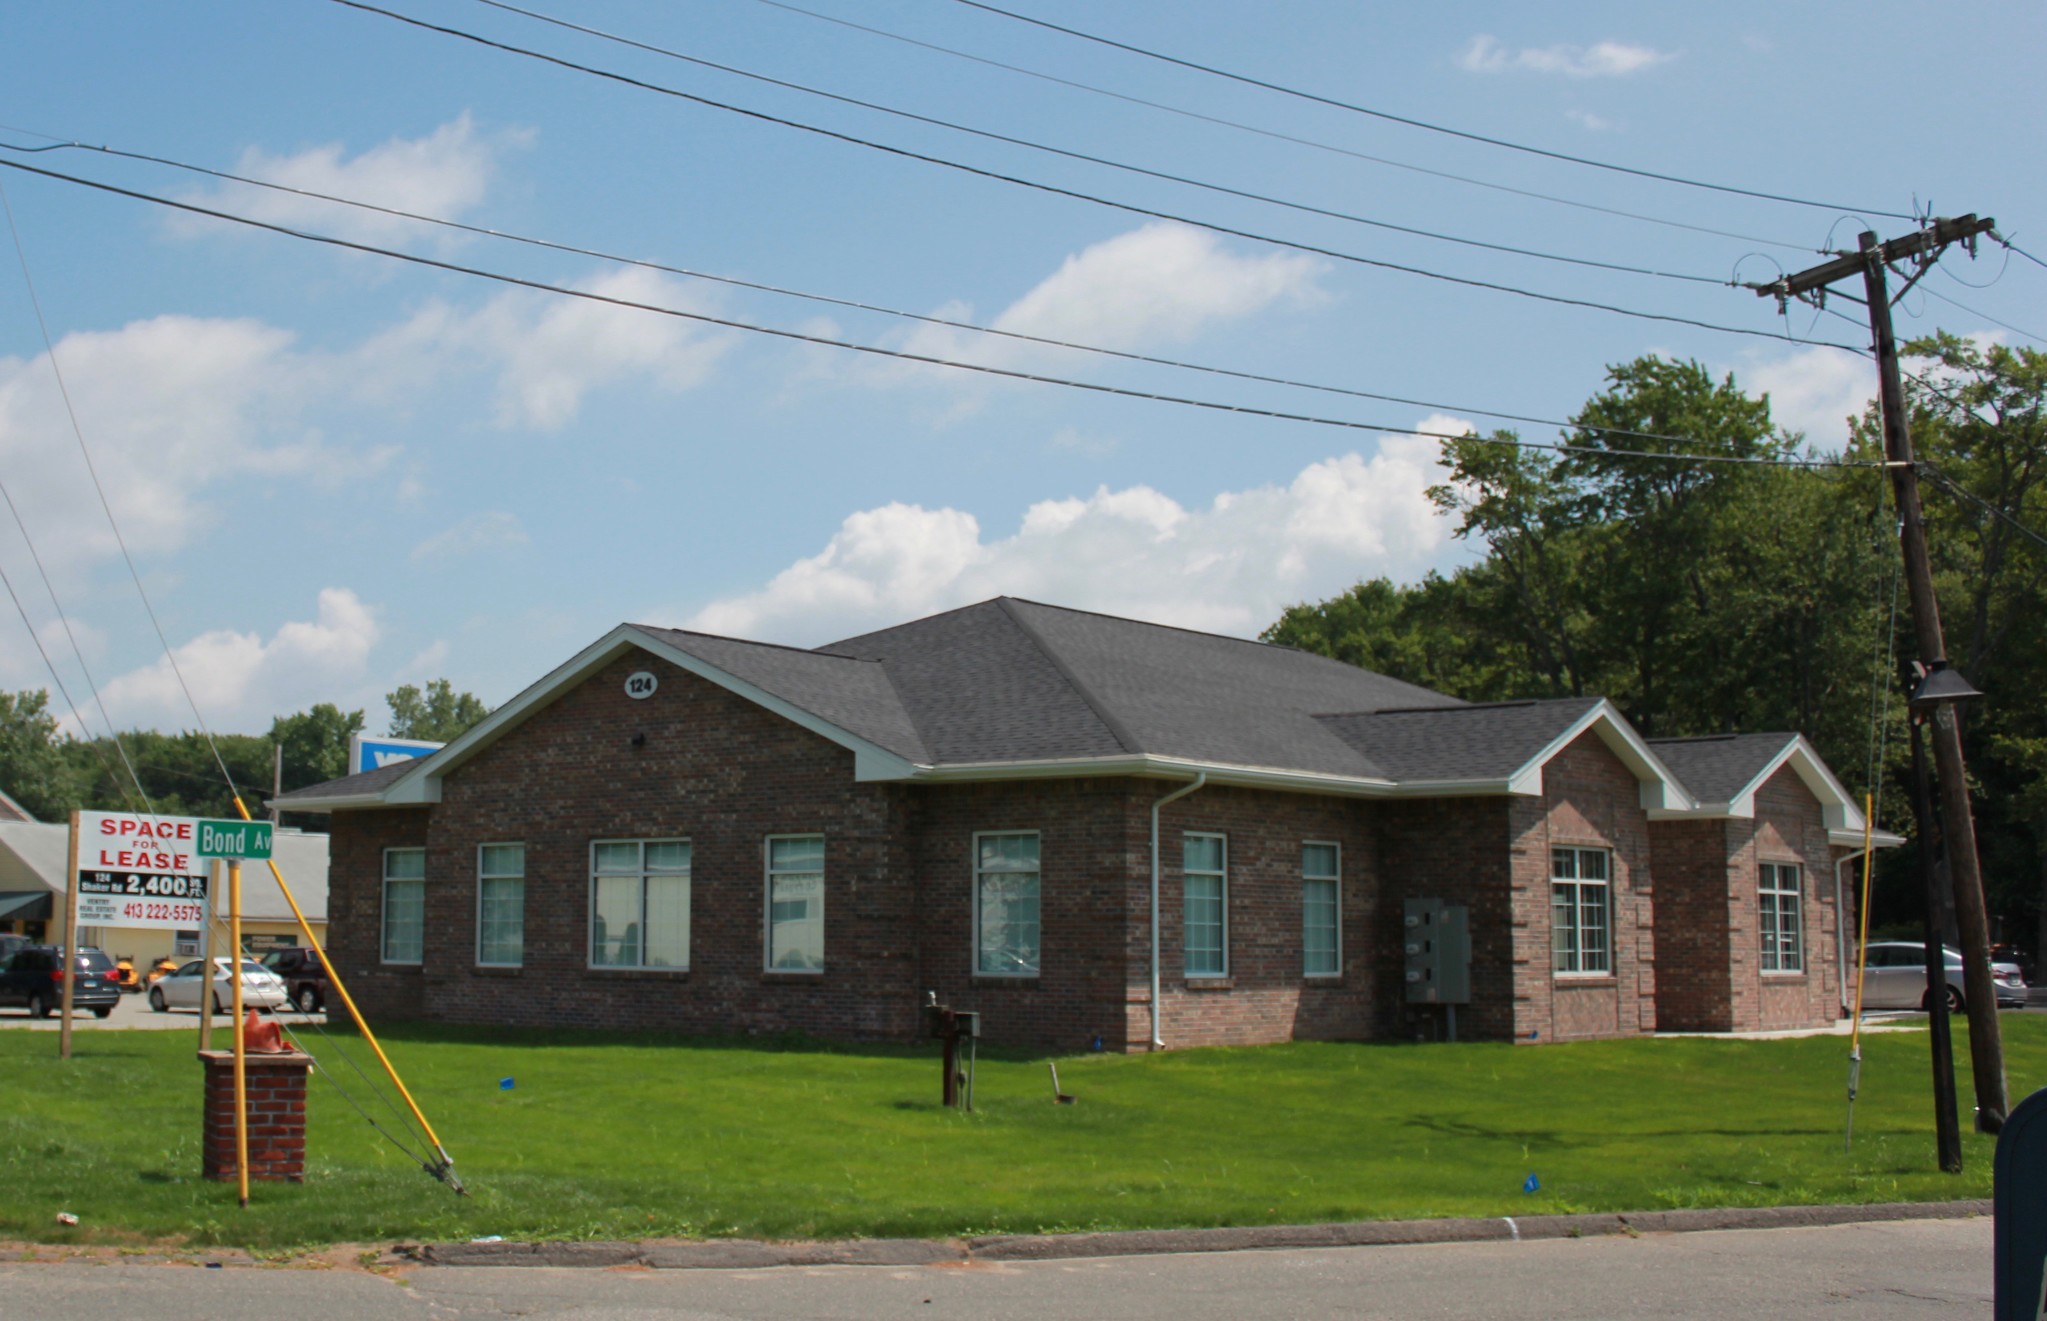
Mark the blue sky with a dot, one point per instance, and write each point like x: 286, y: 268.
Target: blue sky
x: 338, y: 472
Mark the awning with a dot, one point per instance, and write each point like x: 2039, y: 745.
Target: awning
x: 24, y: 905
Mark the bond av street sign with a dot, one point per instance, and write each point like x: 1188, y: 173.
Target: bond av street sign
x: 243, y: 840
x: 139, y: 871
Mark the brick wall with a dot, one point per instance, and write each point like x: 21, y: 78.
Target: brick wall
x: 1789, y: 827
x: 1453, y: 849
x: 355, y: 908
x: 1592, y: 800
x: 1694, y: 989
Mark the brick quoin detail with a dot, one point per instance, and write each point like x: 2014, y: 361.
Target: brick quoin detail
x: 275, y: 1088
x: 725, y: 774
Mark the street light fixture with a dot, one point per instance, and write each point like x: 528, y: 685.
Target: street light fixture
x: 1937, y: 689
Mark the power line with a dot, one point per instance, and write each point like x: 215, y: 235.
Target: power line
x: 1424, y: 124
x: 2013, y: 247
x: 1144, y: 171
x: 1275, y: 134
x: 1129, y: 207
x: 1956, y: 302
x: 1954, y: 487
x: 829, y: 300
x: 1007, y: 373
x: 92, y: 469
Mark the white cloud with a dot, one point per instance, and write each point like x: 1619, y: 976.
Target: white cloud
x: 241, y: 680
x: 1604, y: 59
x: 481, y: 532
x: 1231, y: 567
x: 1590, y: 122
x: 446, y: 174
x: 549, y: 350
x: 1160, y: 284
x: 1813, y: 390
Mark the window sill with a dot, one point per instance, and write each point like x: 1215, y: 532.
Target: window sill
x: 640, y: 974
x: 1586, y: 979
x: 1784, y: 975
x: 787, y: 977
x: 1210, y: 983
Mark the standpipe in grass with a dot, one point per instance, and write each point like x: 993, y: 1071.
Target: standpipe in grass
x: 443, y: 1167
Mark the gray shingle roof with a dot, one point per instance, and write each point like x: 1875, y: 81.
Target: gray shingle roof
x: 855, y: 695
x: 1016, y: 680
x: 1717, y: 767
x: 1480, y: 742
x: 348, y: 786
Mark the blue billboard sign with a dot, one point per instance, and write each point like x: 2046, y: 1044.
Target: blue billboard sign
x: 368, y: 754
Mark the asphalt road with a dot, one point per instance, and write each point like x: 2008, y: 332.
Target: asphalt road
x: 1913, y: 1269
x: 133, y: 1012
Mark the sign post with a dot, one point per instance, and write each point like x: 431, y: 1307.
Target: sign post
x: 68, y: 942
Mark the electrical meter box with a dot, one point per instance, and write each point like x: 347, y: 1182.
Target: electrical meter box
x: 1435, y: 937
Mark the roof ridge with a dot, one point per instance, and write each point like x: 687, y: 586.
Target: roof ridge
x: 1727, y: 738
x: 751, y: 642
x: 1123, y: 737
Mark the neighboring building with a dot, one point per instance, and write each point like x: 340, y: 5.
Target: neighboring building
x: 33, y: 884
x: 11, y: 810
x: 702, y: 834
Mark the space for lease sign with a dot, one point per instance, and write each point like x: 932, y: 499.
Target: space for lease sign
x: 139, y: 871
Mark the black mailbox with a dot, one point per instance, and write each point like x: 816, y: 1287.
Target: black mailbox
x: 2020, y: 1205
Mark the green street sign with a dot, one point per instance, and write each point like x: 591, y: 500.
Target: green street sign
x: 234, y: 839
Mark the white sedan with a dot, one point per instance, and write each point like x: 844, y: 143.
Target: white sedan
x: 261, y: 988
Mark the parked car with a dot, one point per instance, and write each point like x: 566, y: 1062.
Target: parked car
x: 1896, y: 979
x: 9, y: 943
x: 299, y: 968
x: 35, y: 977
x: 261, y: 988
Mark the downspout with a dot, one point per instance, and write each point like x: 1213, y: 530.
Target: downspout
x: 1158, y: 1042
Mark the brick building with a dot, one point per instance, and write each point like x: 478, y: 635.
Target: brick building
x: 702, y: 834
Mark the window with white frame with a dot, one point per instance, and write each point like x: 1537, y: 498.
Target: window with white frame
x: 1204, y: 868
x: 639, y: 903
x: 1006, y: 890
x: 404, y: 905
x: 1579, y: 899
x: 501, y: 905
x: 1321, y: 874
x: 1780, y: 915
x: 795, y: 897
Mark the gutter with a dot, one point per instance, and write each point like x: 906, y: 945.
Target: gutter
x: 1157, y: 1041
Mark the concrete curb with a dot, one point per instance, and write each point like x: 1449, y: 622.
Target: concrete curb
x: 750, y: 1254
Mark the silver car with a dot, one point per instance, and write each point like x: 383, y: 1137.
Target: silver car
x: 261, y: 988
x: 1896, y: 978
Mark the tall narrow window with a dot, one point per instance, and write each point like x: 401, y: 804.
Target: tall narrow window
x: 404, y: 905
x: 795, y: 903
x: 1204, y: 865
x: 639, y: 903
x: 501, y: 905
x: 1780, y: 916
x: 1579, y: 925
x: 1321, y: 874
x: 1006, y: 904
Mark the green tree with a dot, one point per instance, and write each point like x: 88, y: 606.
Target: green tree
x: 36, y: 767
x: 439, y: 713
x: 315, y: 743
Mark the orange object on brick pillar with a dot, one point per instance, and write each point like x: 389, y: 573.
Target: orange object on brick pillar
x: 276, y: 1086
x: 262, y: 1036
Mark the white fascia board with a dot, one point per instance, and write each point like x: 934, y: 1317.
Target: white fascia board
x: 1254, y: 777
x: 340, y: 802
x: 870, y: 760
x: 1661, y: 794
x: 1852, y: 839
x: 1837, y: 807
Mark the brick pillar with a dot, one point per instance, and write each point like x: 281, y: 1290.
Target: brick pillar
x: 277, y: 1115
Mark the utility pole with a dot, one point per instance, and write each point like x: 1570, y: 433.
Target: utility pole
x: 1871, y: 261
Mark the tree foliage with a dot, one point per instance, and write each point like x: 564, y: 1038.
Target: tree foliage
x: 438, y: 713
x: 1707, y: 597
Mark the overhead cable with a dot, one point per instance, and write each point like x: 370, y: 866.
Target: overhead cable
x: 1277, y: 136
x: 1126, y: 167
x: 1008, y: 373
x: 1128, y: 207
x: 827, y: 299
x: 1424, y: 124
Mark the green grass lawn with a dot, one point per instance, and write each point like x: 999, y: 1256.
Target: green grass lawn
x: 612, y: 1136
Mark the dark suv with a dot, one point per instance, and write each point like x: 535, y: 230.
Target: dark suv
x: 304, y: 979
x: 35, y: 977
